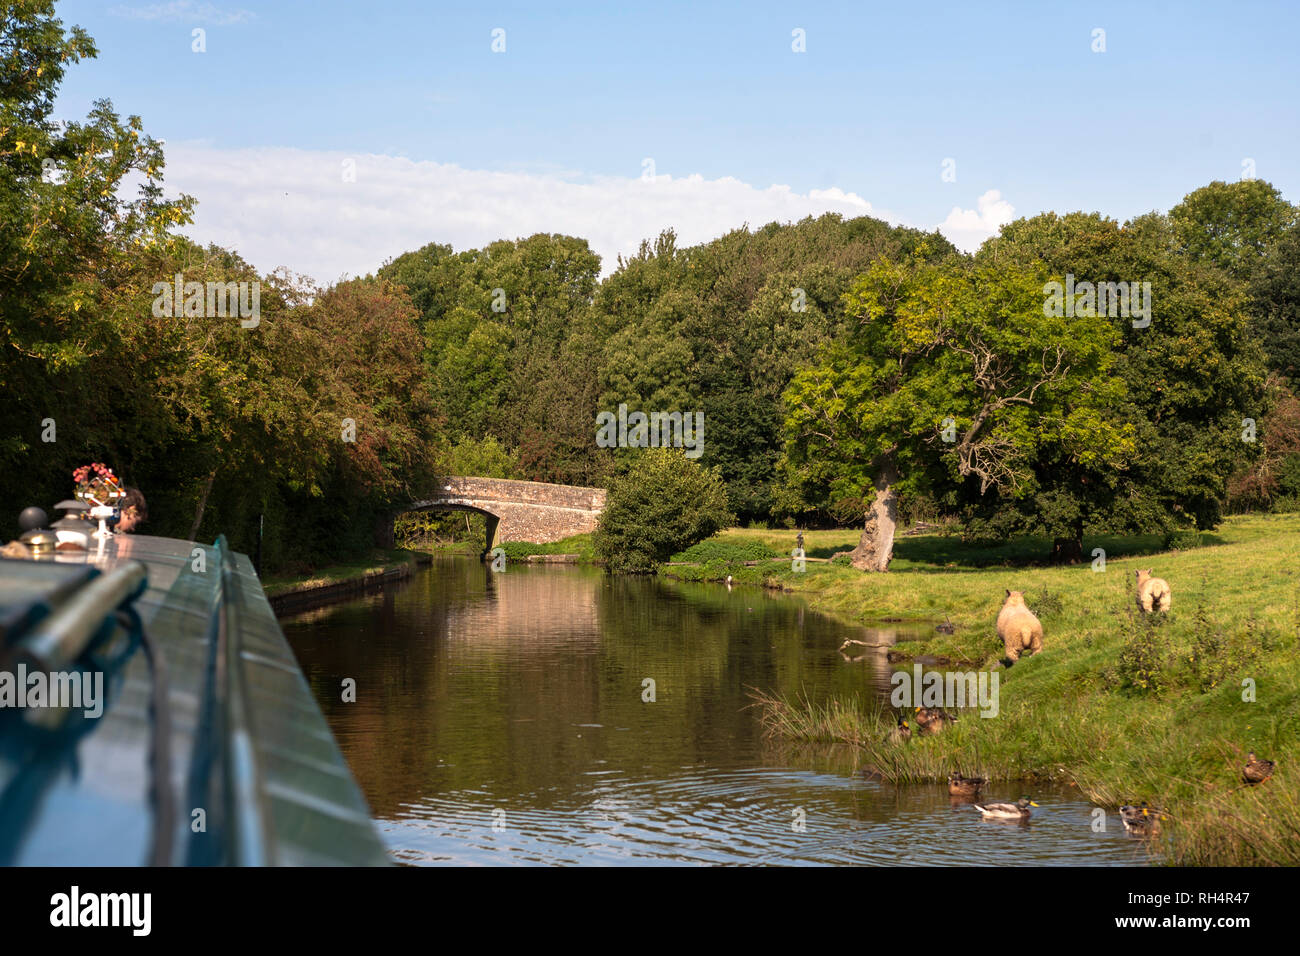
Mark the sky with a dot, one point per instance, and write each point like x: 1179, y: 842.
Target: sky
x: 329, y: 136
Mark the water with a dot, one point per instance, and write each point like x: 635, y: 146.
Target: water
x: 499, y: 719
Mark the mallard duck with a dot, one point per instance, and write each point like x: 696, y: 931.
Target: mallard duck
x: 1006, y: 811
x: 931, y: 720
x: 900, y: 734
x: 1142, y: 820
x: 959, y: 786
x: 1256, y: 770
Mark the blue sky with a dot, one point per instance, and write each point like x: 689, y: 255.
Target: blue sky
x: 412, y: 92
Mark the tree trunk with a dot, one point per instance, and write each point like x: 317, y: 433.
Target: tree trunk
x: 384, y: 537
x: 876, y: 546
x: 1068, y: 550
x: 203, y: 503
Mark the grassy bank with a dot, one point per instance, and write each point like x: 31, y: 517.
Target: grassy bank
x: 376, y: 562
x: 1123, y: 710
x: 579, y: 544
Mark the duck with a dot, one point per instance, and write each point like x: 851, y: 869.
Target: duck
x: 959, y: 786
x: 900, y: 734
x: 931, y: 720
x: 1142, y: 820
x: 1006, y: 811
x: 1257, y: 770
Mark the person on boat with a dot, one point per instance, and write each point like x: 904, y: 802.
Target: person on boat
x: 133, y: 511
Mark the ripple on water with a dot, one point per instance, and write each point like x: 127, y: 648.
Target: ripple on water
x: 749, y: 816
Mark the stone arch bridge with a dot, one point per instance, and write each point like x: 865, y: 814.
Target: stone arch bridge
x: 519, y: 510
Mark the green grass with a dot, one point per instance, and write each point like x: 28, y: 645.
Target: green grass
x: 579, y: 544
x: 376, y: 561
x: 937, y: 552
x: 1121, y: 709
x: 467, y: 548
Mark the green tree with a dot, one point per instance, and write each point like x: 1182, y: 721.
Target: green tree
x: 69, y: 247
x: 1192, y: 374
x: 484, y: 458
x: 952, y: 376
x: 1275, y: 302
x: 720, y: 329
x: 663, y: 504
x: 1232, y: 225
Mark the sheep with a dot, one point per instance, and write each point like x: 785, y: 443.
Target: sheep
x: 1018, y: 627
x: 1153, y: 594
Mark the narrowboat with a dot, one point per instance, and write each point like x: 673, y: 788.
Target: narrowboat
x: 152, y: 712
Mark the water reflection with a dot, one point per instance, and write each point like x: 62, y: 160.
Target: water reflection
x: 502, y: 718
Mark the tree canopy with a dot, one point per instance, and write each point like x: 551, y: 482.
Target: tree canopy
x: 846, y: 369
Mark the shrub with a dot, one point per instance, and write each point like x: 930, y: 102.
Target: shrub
x: 663, y: 504
x: 718, y: 548
x: 521, y: 550
x: 1046, y: 603
x: 1182, y: 540
x: 1285, y: 505
x: 1217, y: 657
x: 1209, y: 658
x: 1288, y: 477
x: 1141, y: 660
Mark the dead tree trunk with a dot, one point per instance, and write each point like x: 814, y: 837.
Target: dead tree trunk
x: 876, y: 546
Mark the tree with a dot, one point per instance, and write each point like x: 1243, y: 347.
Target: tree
x: 1275, y: 302
x: 720, y: 328
x: 487, y: 458
x: 69, y: 244
x: 952, y: 375
x: 555, y: 439
x: 663, y: 504
x: 1232, y: 225
x: 1189, y: 366
x: 496, y: 322
x: 1273, y: 474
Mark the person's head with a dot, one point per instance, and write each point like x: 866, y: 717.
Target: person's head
x: 134, y: 511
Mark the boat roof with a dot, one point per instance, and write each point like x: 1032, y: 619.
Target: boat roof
x: 253, y: 773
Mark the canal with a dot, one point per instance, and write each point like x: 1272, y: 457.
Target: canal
x: 505, y: 719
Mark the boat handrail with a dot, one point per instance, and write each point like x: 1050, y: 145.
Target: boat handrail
x: 249, y: 839
x: 59, y: 638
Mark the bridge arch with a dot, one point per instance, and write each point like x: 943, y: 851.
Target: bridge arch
x: 518, y: 510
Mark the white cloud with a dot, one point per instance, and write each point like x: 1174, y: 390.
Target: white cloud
x: 281, y: 206
x: 187, y: 10
x: 967, y: 228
